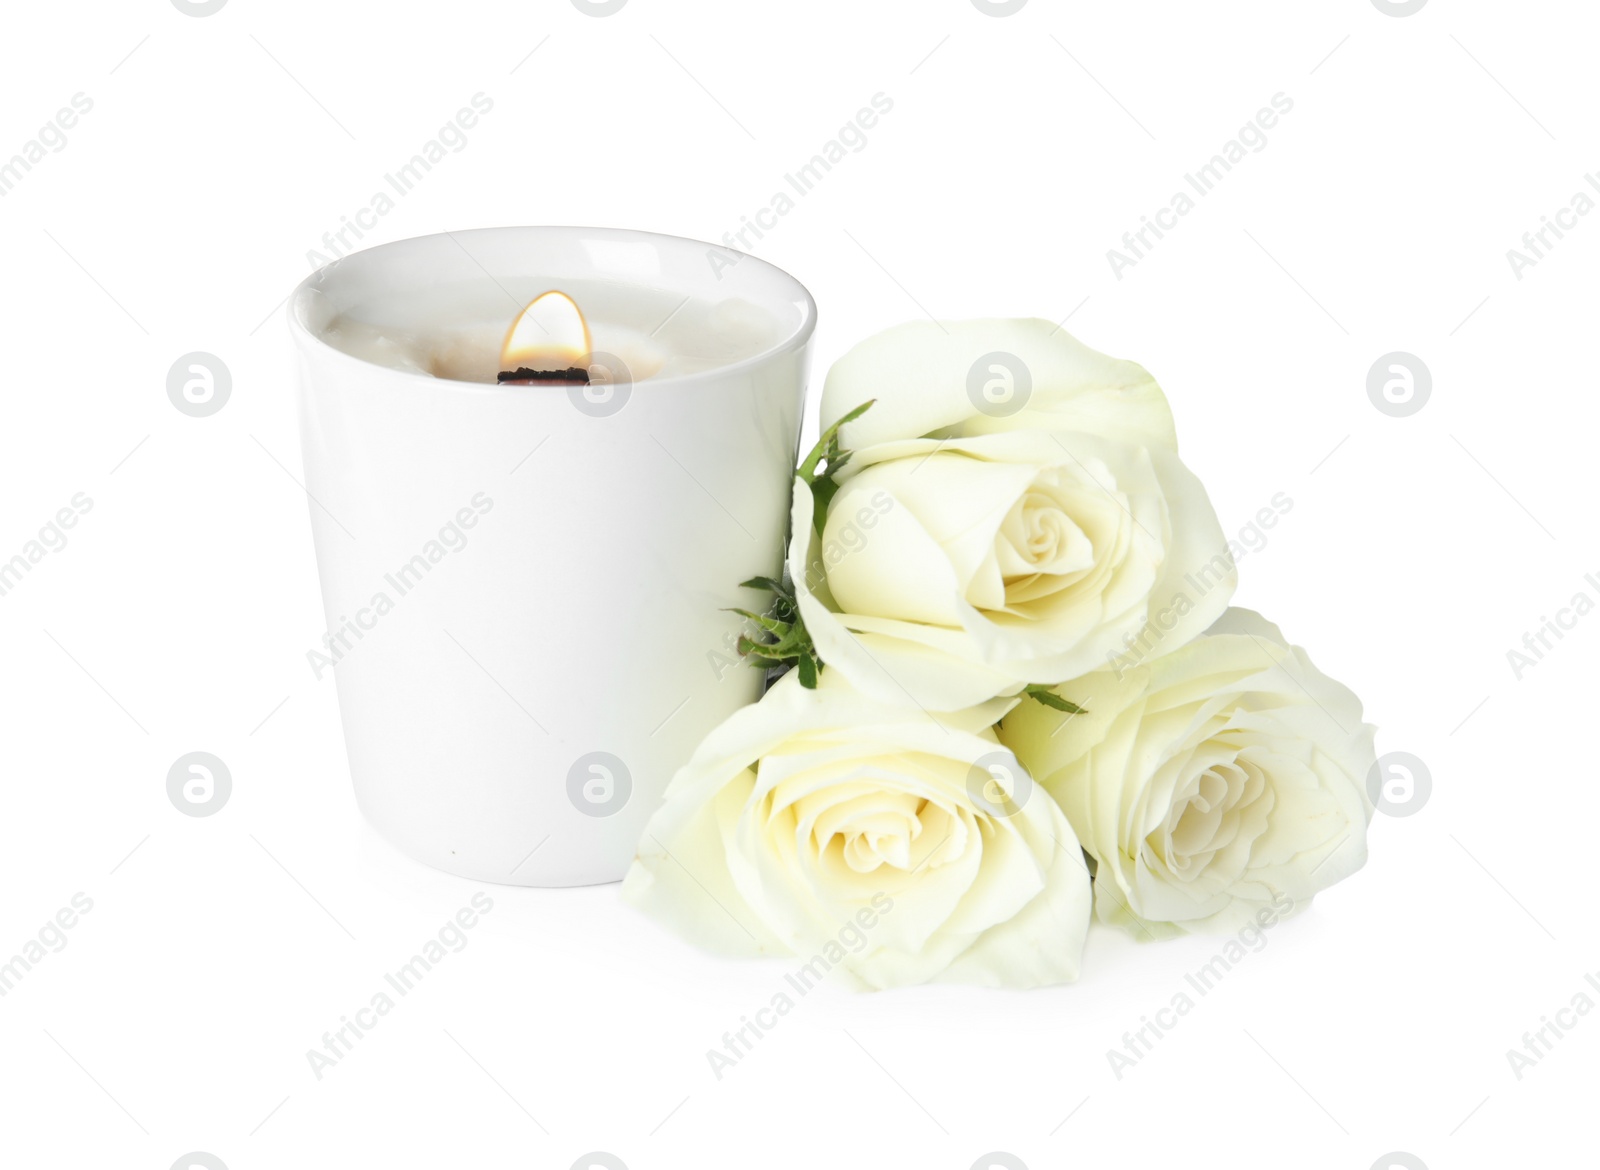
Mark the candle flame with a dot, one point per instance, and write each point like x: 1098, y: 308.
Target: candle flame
x: 550, y: 334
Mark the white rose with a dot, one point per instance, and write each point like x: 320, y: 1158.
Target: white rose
x: 1209, y: 783
x: 823, y: 825
x: 963, y: 378
x: 949, y: 571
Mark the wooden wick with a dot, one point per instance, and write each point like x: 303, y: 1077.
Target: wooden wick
x: 522, y: 375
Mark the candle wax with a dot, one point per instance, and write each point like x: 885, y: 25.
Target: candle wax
x: 455, y: 331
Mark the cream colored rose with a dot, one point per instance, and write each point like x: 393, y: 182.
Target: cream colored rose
x: 949, y: 571
x: 822, y: 825
x: 1207, y: 783
x: 964, y: 378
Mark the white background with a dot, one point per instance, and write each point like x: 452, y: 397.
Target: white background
x: 1418, y: 551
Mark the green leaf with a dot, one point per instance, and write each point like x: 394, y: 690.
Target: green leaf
x: 823, y: 479
x: 766, y: 583
x: 823, y: 491
x: 771, y: 624
x: 1050, y: 699
x: 828, y: 443
x: 771, y: 648
x: 780, y: 636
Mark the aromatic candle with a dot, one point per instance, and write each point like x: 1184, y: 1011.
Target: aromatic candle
x: 525, y: 582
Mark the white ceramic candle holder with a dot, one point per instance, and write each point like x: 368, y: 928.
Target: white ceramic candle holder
x: 525, y: 586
